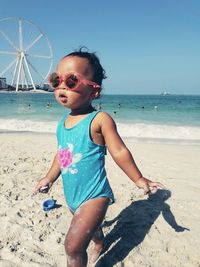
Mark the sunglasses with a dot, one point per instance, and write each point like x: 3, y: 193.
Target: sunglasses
x: 72, y: 81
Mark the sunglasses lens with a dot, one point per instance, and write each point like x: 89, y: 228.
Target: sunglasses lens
x: 54, y: 80
x: 72, y: 81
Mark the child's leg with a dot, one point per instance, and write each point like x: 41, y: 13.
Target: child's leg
x: 98, y: 239
x: 84, y: 224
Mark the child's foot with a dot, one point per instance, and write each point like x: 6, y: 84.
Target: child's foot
x: 98, y: 240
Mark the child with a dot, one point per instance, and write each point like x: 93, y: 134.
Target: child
x: 83, y: 137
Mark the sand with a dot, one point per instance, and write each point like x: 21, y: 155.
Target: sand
x: 161, y: 230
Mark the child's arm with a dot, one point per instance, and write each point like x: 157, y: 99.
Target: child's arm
x: 52, y: 175
x: 122, y: 155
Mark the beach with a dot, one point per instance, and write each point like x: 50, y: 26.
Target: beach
x: 158, y: 230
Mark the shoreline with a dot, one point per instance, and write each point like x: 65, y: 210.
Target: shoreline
x: 132, y: 140
x: 39, y: 91
x: 114, y: 94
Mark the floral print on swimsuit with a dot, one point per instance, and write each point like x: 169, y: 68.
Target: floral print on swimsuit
x: 68, y: 160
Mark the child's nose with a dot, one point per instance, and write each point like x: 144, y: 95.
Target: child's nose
x: 63, y: 85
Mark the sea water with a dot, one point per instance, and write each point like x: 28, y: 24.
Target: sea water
x: 146, y: 118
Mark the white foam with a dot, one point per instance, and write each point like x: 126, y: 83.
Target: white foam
x: 134, y: 130
x: 28, y: 126
x: 160, y: 131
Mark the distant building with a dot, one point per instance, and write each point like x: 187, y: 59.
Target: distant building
x: 3, y: 84
x: 164, y: 93
x: 47, y: 87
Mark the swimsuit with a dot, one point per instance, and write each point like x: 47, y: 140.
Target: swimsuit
x: 82, y: 163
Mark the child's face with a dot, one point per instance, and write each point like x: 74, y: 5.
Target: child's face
x: 73, y: 99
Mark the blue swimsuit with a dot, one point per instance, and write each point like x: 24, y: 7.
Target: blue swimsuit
x: 82, y: 163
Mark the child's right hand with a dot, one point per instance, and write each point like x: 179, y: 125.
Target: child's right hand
x: 148, y: 186
x: 43, y: 186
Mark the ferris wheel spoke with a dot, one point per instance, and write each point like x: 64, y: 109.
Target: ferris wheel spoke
x: 25, y: 76
x: 41, y: 76
x: 8, y: 67
x: 40, y: 56
x: 8, y: 53
x: 20, y: 35
x: 34, y: 42
x: 8, y: 40
x: 19, y: 73
x: 14, y: 74
x: 29, y: 73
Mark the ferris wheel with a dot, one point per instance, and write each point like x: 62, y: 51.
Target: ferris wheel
x: 26, y: 56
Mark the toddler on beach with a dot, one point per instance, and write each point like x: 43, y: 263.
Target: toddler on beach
x: 83, y: 137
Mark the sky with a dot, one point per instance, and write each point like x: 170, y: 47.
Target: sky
x: 145, y: 46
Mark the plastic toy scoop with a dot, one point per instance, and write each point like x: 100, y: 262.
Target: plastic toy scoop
x: 48, y: 204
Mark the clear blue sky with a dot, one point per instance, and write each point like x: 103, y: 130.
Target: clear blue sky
x: 145, y: 46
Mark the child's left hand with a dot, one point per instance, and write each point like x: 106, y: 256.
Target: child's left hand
x: 148, y: 186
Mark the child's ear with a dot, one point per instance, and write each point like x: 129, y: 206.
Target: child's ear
x: 96, y: 94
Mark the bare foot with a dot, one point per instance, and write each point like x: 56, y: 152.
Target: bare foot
x: 98, y: 240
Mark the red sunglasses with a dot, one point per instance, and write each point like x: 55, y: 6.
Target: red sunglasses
x: 72, y: 81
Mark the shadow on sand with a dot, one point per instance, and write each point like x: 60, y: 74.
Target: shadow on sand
x: 132, y: 225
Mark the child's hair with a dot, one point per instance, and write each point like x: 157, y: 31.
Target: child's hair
x: 99, y: 72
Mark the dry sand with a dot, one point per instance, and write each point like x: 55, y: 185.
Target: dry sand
x: 140, y: 231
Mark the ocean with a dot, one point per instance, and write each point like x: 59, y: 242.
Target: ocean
x: 146, y: 118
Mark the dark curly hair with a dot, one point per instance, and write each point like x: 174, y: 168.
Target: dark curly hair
x: 98, y: 71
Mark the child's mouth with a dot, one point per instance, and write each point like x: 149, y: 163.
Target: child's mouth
x: 63, y: 98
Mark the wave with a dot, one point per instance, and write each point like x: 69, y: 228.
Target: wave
x: 28, y: 126
x: 159, y: 131
x: 127, y: 130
